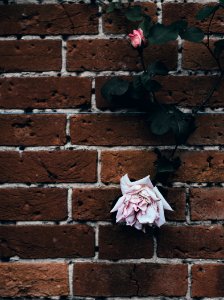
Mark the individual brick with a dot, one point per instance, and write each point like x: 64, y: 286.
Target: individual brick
x: 191, y: 241
x: 197, y: 57
x: 196, y: 166
x: 115, y: 130
x: 128, y: 280
x: 136, y: 163
x: 115, y: 54
x: 187, y: 11
x: 30, y: 55
x: 33, y: 279
x: 47, y: 92
x: 33, y: 204
x: 48, y: 19
x: 32, y: 130
x: 47, y: 241
x: 132, y: 243
x: 93, y: 204
x: 187, y: 91
x: 207, y: 280
x: 176, y: 197
x: 116, y: 23
x: 48, y: 166
x: 207, y: 204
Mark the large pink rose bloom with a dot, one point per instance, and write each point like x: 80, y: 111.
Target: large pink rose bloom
x: 137, y: 38
x: 141, y: 204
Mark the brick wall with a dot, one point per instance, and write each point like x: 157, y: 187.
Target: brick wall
x: 63, y: 150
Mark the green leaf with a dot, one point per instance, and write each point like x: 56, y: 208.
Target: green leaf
x: 178, y: 25
x: 164, y: 165
x: 192, y: 34
x: 160, y: 122
x: 111, y: 7
x: 157, y: 68
x: 221, y: 1
x: 205, y: 12
x: 161, y: 34
x: 145, y: 25
x: 182, y: 125
x: 219, y: 47
x: 134, y: 13
x: 114, y: 87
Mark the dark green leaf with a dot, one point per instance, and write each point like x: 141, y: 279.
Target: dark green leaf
x: 205, y: 12
x: 110, y: 8
x: 219, y: 47
x: 157, y: 68
x: 160, y: 122
x: 192, y: 34
x: 114, y: 87
x: 221, y: 1
x: 164, y: 165
x: 160, y: 34
x: 145, y: 25
x: 134, y: 13
x: 179, y: 25
x: 182, y: 125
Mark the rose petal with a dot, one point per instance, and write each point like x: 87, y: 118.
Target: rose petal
x: 165, y: 204
x: 161, y: 220
x: 149, y: 217
x: 120, y: 201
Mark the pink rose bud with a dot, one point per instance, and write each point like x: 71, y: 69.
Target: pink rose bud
x: 141, y: 204
x: 137, y: 38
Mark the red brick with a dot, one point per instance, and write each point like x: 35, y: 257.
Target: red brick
x: 115, y: 54
x: 33, y: 279
x: 115, y: 130
x: 48, y: 166
x: 32, y: 130
x: 94, y: 204
x: 109, y: 247
x: 30, y: 55
x: 207, y: 204
x: 200, y: 166
x: 183, y: 90
x: 47, y: 92
x: 191, y: 241
x: 187, y: 11
x: 136, y: 163
x: 33, y: 204
x: 197, y: 166
x: 207, y: 280
x: 177, y: 200
x: 197, y: 57
x: 47, y: 241
x: 117, y: 23
x: 128, y: 280
x: 48, y: 19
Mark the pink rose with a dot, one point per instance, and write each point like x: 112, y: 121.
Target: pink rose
x: 141, y: 204
x: 137, y: 38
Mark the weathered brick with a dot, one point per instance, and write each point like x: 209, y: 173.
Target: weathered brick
x: 32, y: 130
x: 117, y: 23
x: 47, y: 92
x: 136, y: 163
x: 94, y: 204
x: 109, y: 247
x: 191, y: 241
x: 207, y: 204
x: 115, y: 54
x: 177, y: 200
x: 197, y: 57
x: 48, y: 19
x: 187, y: 11
x: 181, y: 90
x: 128, y: 280
x: 33, y: 204
x: 207, y: 280
x: 196, y: 166
x: 113, y: 130
x: 47, y: 241
x: 48, y: 166
x: 33, y: 279
x: 30, y: 55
